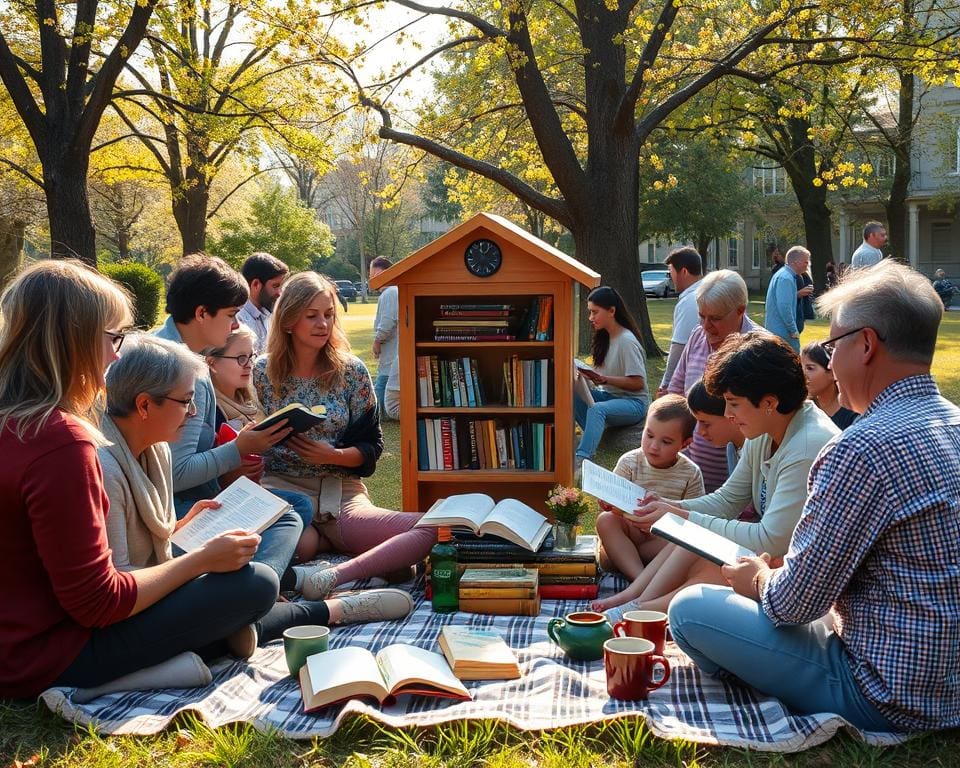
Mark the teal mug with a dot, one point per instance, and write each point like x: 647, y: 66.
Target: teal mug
x: 581, y: 634
x: 301, y: 642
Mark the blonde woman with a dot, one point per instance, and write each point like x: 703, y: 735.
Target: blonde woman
x: 67, y: 615
x: 231, y: 371
x: 309, y: 362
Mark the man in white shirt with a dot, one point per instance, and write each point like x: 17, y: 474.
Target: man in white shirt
x: 686, y: 271
x: 385, y: 331
x: 264, y: 275
x: 869, y: 253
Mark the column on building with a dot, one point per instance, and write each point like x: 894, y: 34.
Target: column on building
x: 843, y: 249
x: 913, y: 235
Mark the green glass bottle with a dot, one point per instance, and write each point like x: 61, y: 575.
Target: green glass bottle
x: 444, y: 578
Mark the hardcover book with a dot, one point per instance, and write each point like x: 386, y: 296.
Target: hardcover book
x: 478, y: 654
x: 510, y: 519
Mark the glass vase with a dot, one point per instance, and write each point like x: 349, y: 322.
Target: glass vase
x: 565, y: 536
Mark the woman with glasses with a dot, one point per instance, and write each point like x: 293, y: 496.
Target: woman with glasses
x: 231, y: 368
x: 308, y: 361
x: 761, y: 379
x: 822, y: 385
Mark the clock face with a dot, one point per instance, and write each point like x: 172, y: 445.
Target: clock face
x: 483, y: 258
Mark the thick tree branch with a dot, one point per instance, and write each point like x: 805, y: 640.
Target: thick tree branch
x: 651, y: 50
x: 20, y: 94
x: 22, y: 171
x: 488, y: 29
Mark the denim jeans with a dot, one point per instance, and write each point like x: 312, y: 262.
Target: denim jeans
x: 380, y: 389
x: 804, y: 666
x: 607, y: 409
x: 299, y: 501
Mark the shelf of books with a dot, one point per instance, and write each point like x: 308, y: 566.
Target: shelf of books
x: 486, y: 364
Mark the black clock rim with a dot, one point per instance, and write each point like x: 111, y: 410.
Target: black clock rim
x: 499, y: 260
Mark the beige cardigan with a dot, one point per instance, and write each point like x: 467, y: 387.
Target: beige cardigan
x: 785, y: 474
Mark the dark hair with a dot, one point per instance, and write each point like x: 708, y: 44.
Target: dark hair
x: 673, y: 408
x: 608, y: 298
x: 262, y: 266
x: 815, y: 352
x: 756, y: 364
x: 701, y: 401
x: 381, y: 262
x: 203, y: 281
x: 685, y: 258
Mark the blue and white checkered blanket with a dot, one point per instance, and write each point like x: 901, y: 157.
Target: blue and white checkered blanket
x: 553, y: 692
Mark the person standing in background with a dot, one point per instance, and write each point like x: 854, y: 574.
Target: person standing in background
x: 264, y: 274
x: 385, y: 337
x: 686, y: 271
x: 781, y: 305
x: 869, y: 253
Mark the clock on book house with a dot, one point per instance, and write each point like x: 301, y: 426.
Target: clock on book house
x: 483, y: 257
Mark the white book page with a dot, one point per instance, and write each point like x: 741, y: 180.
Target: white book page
x: 469, y: 509
x: 582, y: 390
x: 610, y: 487
x: 524, y: 521
x: 401, y: 664
x: 700, y: 540
x: 580, y: 365
x: 341, y: 667
x: 245, y: 506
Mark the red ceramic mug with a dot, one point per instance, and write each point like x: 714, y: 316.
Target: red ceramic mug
x: 630, y: 663
x: 650, y: 625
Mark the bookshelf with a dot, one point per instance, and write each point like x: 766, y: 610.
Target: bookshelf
x: 535, y: 450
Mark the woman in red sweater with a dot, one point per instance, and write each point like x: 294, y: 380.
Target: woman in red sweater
x: 67, y: 616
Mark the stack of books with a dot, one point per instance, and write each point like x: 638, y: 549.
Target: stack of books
x: 475, y: 322
x: 450, y: 443
x: 563, y: 575
x: 449, y: 383
x: 537, y: 321
x: 500, y: 591
x: 526, y: 383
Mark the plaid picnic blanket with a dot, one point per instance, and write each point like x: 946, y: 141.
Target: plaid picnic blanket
x: 553, y: 692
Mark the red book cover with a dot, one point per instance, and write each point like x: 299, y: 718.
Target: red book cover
x: 447, y: 439
x: 568, y: 591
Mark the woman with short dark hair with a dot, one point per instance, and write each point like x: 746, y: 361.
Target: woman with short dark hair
x: 760, y: 378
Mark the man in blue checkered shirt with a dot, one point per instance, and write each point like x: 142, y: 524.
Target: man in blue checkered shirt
x: 878, y: 542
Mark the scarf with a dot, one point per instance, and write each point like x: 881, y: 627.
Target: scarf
x: 234, y: 410
x: 151, y: 485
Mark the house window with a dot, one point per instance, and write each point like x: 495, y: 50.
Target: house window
x: 885, y: 166
x: 757, y: 252
x: 732, y: 251
x: 770, y: 179
x: 651, y: 252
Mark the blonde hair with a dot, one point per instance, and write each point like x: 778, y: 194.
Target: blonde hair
x: 54, y: 316
x: 298, y: 293
x: 246, y: 394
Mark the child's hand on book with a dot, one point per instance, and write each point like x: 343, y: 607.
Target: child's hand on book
x: 314, y: 451
x: 650, y: 509
x: 252, y: 440
x: 229, y: 551
x: 195, y: 510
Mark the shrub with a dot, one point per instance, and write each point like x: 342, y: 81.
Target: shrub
x: 144, y: 284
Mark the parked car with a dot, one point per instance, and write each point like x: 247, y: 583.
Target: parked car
x: 656, y: 283
x: 346, y: 289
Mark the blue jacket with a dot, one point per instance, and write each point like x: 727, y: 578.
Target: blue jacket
x: 781, y: 307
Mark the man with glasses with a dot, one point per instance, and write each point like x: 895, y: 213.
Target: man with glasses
x: 877, y: 543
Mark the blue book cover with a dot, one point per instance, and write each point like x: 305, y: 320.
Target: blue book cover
x: 423, y: 461
x: 468, y: 382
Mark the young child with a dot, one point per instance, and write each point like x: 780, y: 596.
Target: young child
x: 714, y: 426
x: 658, y: 467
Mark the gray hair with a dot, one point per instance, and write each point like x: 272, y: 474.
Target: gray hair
x: 150, y: 366
x: 898, y: 303
x: 796, y: 253
x: 723, y: 290
x: 871, y: 227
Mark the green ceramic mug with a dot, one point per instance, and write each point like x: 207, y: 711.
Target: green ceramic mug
x: 581, y: 634
x: 303, y: 641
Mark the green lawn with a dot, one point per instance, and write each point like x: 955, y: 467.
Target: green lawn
x: 30, y: 735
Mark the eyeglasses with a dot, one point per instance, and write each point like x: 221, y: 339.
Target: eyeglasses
x: 829, y: 345
x: 190, y: 404
x: 116, y: 339
x: 242, y: 360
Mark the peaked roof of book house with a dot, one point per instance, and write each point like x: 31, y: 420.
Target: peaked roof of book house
x: 491, y: 225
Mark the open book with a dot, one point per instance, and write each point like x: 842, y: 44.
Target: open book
x: 580, y: 386
x: 510, y: 519
x: 478, y: 654
x: 297, y: 416
x: 244, y: 506
x: 699, y: 540
x: 610, y: 487
x: 348, y: 673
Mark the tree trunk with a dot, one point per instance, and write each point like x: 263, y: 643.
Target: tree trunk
x: 72, y: 235
x: 896, y: 205
x: 11, y: 248
x: 190, y: 212
x: 818, y: 233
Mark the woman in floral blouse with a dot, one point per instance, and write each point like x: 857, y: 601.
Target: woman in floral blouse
x: 308, y: 361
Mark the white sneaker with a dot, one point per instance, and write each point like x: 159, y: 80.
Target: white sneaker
x: 375, y: 605
x: 319, y: 583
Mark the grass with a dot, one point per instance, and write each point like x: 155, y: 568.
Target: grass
x: 32, y: 736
